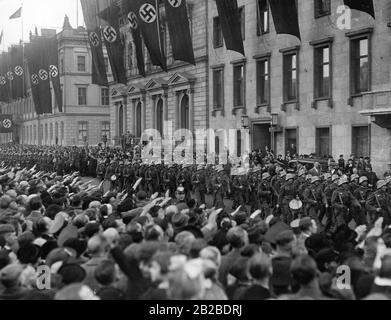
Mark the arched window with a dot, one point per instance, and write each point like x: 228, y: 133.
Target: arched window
x: 138, y: 119
x: 185, y: 113
x: 159, y: 116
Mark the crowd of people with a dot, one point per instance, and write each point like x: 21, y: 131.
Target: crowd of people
x: 270, y: 228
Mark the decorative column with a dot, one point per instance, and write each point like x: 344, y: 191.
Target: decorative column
x: 190, y: 93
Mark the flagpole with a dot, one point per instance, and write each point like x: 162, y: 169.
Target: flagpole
x: 23, y: 60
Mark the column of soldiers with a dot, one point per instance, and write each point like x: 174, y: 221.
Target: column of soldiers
x: 331, y: 198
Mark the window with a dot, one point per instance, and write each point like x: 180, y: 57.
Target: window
x: 360, y: 69
x: 217, y: 145
x: 82, y: 96
x: 239, y: 88
x: 138, y: 120
x: 105, y: 130
x: 322, y: 8
x: 361, y: 141
x: 83, y: 131
x: 322, y: 70
x: 242, y: 15
x: 105, y: 96
x: 263, y: 17
x: 106, y: 64
x: 263, y: 82
x: 81, y: 63
x: 159, y: 116
x: 291, y: 141
x: 51, y: 132
x: 290, y: 77
x: 185, y: 113
x: 323, y: 142
x: 46, y: 133
x: 239, y: 143
x: 217, y: 33
x: 218, y: 88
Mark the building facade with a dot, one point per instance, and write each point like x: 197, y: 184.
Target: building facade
x: 166, y: 102
x: 85, y: 117
x: 328, y: 94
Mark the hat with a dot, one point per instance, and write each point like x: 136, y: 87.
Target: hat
x: 354, y: 177
x: 388, y: 179
x: 342, y: 181
x: 94, y: 204
x: 68, y: 232
x: 363, y: 179
x: 29, y: 253
x: 301, y: 173
x: 265, y: 176
x: 282, y: 173
x: 315, y: 179
x: 334, y: 177
x: 327, y: 176
x: 308, y: 177
x: 381, y: 184
x: 290, y: 176
x: 6, y: 228
x: 179, y: 220
x: 23, y: 185
x: 11, y: 273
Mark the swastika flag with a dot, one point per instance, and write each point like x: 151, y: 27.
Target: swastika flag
x: 6, y: 123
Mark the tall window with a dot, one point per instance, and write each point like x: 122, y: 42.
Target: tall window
x: 105, y: 96
x: 361, y: 141
x: 360, y: 69
x: 239, y: 85
x: 291, y: 141
x: 242, y: 14
x: 62, y: 131
x: 159, y: 116
x: 46, y: 133
x: 322, y: 8
x: 81, y: 63
x: 105, y: 129
x: 263, y: 82
x: 217, y: 33
x: 83, y: 130
x: 322, y: 72
x: 323, y: 141
x: 82, y: 96
x: 138, y: 119
x: 238, y: 143
x: 263, y: 17
x: 185, y: 113
x: 290, y: 77
x: 218, y: 88
x: 51, y: 133
x: 106, y: 64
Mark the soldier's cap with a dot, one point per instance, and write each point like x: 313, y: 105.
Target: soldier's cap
x: 388, y: 179
x: 11, y: 273
x: 200, y: 167
x: 295, y: 224
x: 363, y: 179
x: 334, y: 177
x: 265, y: 176
x: 301, y: 173
x: 315, y: 179
x: 380, y: 184
x: 283, y: 173
x: 354, y: 177
x: 290, y: 176
x: 180, y: 189
x: 6, y: 228
x: 342, y: 181
x: 308, y: 177
x: 327, y: 176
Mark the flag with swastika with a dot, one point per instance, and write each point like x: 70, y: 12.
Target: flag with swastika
x: 6, y: 123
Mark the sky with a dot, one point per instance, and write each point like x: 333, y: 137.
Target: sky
x: 36, y: 13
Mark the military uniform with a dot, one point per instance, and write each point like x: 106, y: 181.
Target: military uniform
x: 379, y: 204
x: 199, y: 187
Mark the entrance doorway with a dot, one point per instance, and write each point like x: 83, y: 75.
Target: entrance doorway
x: 261, y: 137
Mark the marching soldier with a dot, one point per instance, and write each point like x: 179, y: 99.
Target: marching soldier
x: 199, y: 187
x: 266, y: 195
x: 253, y: 182
x: 101, y: 169
x: 286, y: 195
x: 315, y: 200
x: 220, y: 188
x: 379, y: 203
x: 362, y: 194
x: 343, y: 203
x: 354, y: 183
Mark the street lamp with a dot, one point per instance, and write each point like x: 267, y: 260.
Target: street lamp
x: 245, y: 122
x: 273, y: 130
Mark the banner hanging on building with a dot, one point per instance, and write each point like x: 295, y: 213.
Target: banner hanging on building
x: 285, y: 17
x: 45, y: 95
x: 361, y: 5
x: 90, y: 11
x: 114, y: 42
x: 53, y: 69
x: 17, y: 68
x: 177, y: 19
x: 129, y: 8
x: 4, y: 97
x: 33, y: 73
x: 147, y: 12
x: 230, y: 19
x: 6, y: 123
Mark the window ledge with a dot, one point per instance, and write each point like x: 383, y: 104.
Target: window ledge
x: 294, y: 102
x: 353, y: 96
x: 314, y: 104
x: 235, y: 110
x: 215, y: 110
x: 264, y: 105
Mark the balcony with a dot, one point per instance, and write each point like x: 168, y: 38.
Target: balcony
x: 377, y: 105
